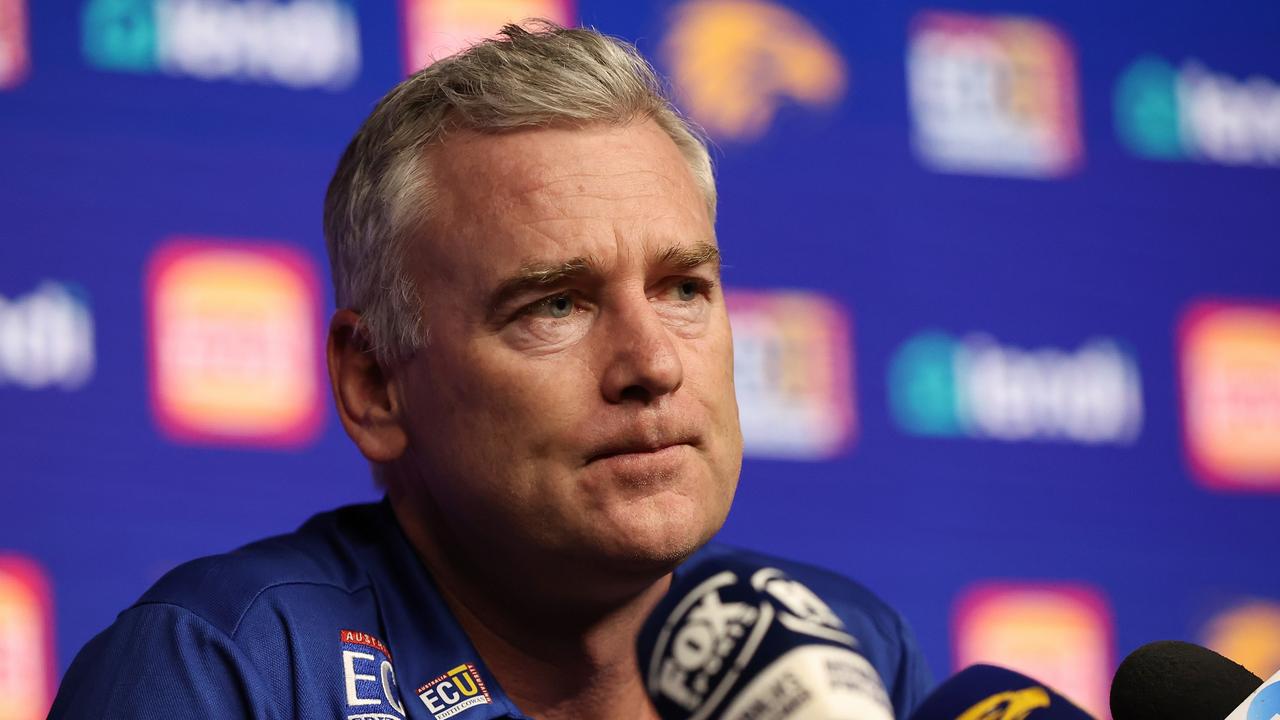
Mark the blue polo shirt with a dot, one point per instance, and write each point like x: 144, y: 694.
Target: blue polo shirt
x: 341, y: 620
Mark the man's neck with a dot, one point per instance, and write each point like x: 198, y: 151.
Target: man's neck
x: 554, y: 656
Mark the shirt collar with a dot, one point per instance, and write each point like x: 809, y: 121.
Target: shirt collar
x: 437, y: 667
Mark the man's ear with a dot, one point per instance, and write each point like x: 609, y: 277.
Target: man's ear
x: 367, y: 400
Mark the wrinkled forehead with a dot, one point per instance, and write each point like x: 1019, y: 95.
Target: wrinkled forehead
x: 549, y: 194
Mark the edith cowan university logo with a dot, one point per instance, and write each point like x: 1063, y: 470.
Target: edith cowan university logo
x: 993, y: 95
x: 457, y: 690
x: 368, y: 679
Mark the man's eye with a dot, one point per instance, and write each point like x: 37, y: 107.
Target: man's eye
x: 687, y: 290
x: 556, y: 306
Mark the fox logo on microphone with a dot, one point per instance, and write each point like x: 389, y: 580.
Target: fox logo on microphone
x: 765, y: 648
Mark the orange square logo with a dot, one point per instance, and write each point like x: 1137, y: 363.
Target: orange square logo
x: 235, y: 350
x: 1230, y: 356
x: 435, y: 29
x: 1248, y: 632
x: 26, y: 640
x: 793, y: 372
x: 1058, y: 634
x: 15, y: 57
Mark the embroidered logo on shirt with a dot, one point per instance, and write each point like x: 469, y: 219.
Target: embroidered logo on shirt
x: 369, y: 681
x: 455, y: 691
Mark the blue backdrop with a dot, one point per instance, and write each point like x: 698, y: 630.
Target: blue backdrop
x: 1006, y: 292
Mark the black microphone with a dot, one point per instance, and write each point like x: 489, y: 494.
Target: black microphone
x: 1174, y: 680
x: 988, y: 692
x: 736, y: 641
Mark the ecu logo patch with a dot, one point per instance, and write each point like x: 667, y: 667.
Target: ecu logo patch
x: 455, y: 691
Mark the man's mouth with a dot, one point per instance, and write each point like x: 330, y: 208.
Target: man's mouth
x: 638, y: 449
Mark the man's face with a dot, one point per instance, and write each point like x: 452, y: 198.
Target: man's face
x: 575, y: 399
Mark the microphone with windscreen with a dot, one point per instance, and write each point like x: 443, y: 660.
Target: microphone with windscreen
x: 736, y: 641
x: 989, y: 692
x: 1174, y: 680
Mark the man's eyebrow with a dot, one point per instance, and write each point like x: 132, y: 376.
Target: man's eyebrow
x: 533, y: 276
x: 681, y: 257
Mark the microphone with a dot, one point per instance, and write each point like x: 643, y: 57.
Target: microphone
x: 736, y: 641
x: 988, y: 692
x: 1174, y: 680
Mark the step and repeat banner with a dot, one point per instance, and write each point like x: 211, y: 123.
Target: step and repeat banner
x: 1004, y: 280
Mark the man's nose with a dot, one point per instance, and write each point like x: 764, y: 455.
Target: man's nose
x: 642, y: 359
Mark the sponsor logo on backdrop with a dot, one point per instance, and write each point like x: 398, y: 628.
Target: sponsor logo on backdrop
x: 1058, y: 634
x: 457, y: 690
x: 1249, y: 633
x: 435, y: 29
x: 793, y: 370
x: 1191, y: 112
x: 978, y: 387
x: 15, y: 55
x: 1230, y: 356
x: 46, y: 338
x: 235, y: 349
x: 993, y: 95
x: 299, y: 44
x: 735, y: 62
x: 27, y: 674
x: 369, y: 680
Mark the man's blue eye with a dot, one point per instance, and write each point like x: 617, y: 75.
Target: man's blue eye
x: 559, y: 306
x: 687, y: 290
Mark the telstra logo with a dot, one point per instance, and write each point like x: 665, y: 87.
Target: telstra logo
x: 977, y: 387
x: 299, y: 44
x: 1194, y: 113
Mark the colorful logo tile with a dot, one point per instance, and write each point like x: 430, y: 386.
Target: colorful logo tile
x: 1058, y: 634
x: 993, y: 95
x: 793, y: 370
x: 1230, y: 356
x: 235, y: 344
x: 47, y: 338
x: 734, y: 63
x: 15, y: 54
x: 27, y: 673
x: 436, y: 29
x: 299, y: 44
x: 1248, y: 633
x: 1191, y: 112
x: 978, y: 387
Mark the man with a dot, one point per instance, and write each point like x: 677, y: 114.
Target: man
x: 534, y: 354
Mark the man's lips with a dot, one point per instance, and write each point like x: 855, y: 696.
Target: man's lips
x: 638, y: 449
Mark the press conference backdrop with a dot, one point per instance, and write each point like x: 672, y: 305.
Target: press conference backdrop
x: 1004, y: 279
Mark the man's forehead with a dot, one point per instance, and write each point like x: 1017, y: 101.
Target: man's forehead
x: 540, y: 164
x: 555, y: 195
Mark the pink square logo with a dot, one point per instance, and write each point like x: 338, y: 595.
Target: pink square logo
x: 1230, y: 371
x: 436, y: 29
x: 235, y: 343
x: 1060, y: 634
x: 15, y: 55
x: 793, y: 372
x: 27, y: 674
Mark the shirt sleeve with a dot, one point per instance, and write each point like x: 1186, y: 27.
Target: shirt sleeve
x: 162, y: 661
x: 913, y: 681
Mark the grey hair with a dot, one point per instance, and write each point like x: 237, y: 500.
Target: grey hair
x: 532, y: 76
